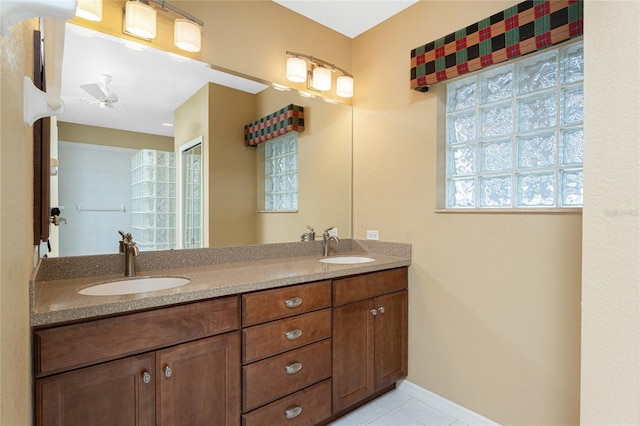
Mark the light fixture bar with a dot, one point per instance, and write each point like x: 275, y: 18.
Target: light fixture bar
x: 316, y: 60
x: 166, y: 5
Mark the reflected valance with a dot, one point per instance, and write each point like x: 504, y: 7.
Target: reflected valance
x: 285, y: 120
x: 516, y: 31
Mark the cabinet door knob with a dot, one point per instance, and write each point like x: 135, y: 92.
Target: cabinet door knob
x: 167, y: 371
x: 381, y: 309
x: 373, y: 312
x: 293, y: 334
x: 146, y: 377
x: 293, y: 412
x: 293, y: 368
x: 293, y: 302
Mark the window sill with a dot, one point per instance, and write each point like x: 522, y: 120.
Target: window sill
x: 575, y: 210
x: 277, y: 211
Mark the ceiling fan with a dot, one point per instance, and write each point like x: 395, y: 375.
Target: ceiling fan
x: 100, y: 92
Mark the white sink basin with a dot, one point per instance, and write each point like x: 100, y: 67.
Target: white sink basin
x: 346, y: 260
x: 134, y: 285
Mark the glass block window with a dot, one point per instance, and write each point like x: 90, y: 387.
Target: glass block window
x: 281, y: 173
x: 514, y: 133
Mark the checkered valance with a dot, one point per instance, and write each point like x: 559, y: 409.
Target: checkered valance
x: 516, y: 31
x: 288, y: 119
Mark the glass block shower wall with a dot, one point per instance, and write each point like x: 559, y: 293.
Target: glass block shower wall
x: 153, y: 199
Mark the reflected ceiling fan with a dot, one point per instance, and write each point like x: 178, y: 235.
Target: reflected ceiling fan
x: 100, y: 94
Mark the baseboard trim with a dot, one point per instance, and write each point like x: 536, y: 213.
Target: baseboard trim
x: 450, y: 408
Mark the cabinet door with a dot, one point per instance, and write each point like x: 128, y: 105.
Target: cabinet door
x: 110, y: 394
x: 353, y: 353
x: 391, y: 342
x: 199, y: 382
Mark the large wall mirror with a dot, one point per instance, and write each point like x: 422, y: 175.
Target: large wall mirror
x: 108, y: 150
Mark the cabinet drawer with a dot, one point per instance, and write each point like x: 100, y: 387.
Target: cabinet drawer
x: 261, y: 341
x: 77, y: 345
x: 309, y: 406
x: 267, y: 380
x: 369, y: 285
x: 283, y: 302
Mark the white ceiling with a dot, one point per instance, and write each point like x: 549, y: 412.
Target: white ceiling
x: 148, y: 82
x: 348, y: 17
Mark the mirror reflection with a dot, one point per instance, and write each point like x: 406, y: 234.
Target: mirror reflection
x: 98, y: 142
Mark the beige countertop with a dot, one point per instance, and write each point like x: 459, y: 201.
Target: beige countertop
x: 55, y: 298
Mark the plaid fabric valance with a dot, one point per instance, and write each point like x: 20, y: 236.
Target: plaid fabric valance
x: 516, y: 31
x: 288, y: 119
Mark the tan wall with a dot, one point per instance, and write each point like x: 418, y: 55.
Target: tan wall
x: 494, y: 312
x: 324, y: 169
x: 72, y: 132
x: 16, y: 229
x: 232, y: 205
x: 610, y: 380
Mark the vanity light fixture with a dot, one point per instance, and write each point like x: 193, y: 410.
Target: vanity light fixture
x: 319, y: 77
x: 186, y: 35
x: 140, y: 21
x: 90, y: 10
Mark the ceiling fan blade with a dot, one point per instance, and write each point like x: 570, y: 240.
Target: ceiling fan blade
x: 95, y: 91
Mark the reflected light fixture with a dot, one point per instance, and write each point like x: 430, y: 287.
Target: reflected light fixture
x: 319, y: 78
x: 140, y: 21
x: 90, y: 10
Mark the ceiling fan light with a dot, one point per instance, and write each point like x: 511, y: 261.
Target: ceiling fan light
x: 186, y: 35
x: 321, y: 78
x: 140, y: 20
x: 344, y: 86
x: 90, y: 10
x: 296, y: 70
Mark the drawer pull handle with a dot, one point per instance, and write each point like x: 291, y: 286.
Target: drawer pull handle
x: 293, y: 302
x: 293, y: 412
x: 167, y: 371
x: 373, y: 312
x: 146, y: 377
x: 381, y: 309
x: 293, y: 334
x: 293, y: 368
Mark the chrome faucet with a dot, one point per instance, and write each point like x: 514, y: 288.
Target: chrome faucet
x: 326, y: 241
x: 308, y: 236
x: 130, y: 250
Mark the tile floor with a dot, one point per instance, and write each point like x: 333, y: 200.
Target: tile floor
x: 397, y: 408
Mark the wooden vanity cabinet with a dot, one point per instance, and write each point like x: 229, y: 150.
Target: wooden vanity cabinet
x: 287, y: 364
x: 294, y: 355
x: 112, y: 393
x: 370, y: 335
x: 181, y: 366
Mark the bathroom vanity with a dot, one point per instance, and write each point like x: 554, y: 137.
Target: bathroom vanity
x: 287, y: 340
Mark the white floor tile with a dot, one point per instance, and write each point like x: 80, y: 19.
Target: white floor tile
x: 397, y: 408
x: 367, y: 413
x: 425, y: 414
x: 342, y: 421
x: 395, y: 418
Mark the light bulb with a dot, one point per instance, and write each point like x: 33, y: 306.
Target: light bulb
x: 296, y: 70
x: 344, y: 86
x: 140, y: 20
x: 90, y: 10
x: 321, y: 78
x: 186, y: 35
